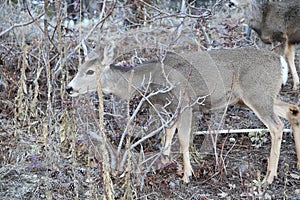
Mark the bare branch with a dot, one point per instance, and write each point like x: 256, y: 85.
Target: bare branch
x: 101, y: 21
x: 168, y: 15
x: 237, y: 131
x: 21, y: 25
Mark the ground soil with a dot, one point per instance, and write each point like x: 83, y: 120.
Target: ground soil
x: 26, y: 174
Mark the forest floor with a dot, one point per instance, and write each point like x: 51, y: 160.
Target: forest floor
x: 46, y: 150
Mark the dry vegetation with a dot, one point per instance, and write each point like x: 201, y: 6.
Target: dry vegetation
x: 56, y: 147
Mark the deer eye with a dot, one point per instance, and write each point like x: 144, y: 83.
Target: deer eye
x: 90, y: 72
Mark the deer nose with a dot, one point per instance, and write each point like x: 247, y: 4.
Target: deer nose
x: 230, y: 4
x: 69, y: 89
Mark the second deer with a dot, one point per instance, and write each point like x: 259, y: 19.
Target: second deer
x: 275, y: 22
x: 212, y: 79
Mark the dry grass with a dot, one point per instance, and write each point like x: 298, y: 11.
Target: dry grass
x: 55, y: 147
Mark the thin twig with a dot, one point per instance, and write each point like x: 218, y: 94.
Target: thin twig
x: 237, y: 131
x: 96, y: 25
x: 21, y: 25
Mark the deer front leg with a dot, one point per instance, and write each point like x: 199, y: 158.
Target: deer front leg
x: 292, y: 114
x: 184, y: 131
x: 168, y: 141
x: 294, y: 119
x: 290, y: 56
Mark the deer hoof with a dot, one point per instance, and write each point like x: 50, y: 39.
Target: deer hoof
x: 296, y: 87
x: 187, y: 177
x: 269, y: 179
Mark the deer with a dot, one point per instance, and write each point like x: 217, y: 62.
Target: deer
x: 203, y: 81
x: 275, y: 22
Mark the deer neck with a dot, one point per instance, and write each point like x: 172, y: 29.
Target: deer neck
x: 115, y: 82
x: 254, y: 15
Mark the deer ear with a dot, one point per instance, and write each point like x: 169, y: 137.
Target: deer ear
x: 85, y: 47
x: 109, y: 54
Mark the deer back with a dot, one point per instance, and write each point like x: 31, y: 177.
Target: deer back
x: 233, y: 74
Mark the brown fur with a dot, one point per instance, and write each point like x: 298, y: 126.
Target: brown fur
x: 276, y: 22
x: 246, y: 75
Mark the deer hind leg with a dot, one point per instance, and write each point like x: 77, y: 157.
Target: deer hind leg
x: 273, y: 123
x: 289, y: 53
x: 292, y: 114
x: 184, y: 131
x: 276, y: 128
